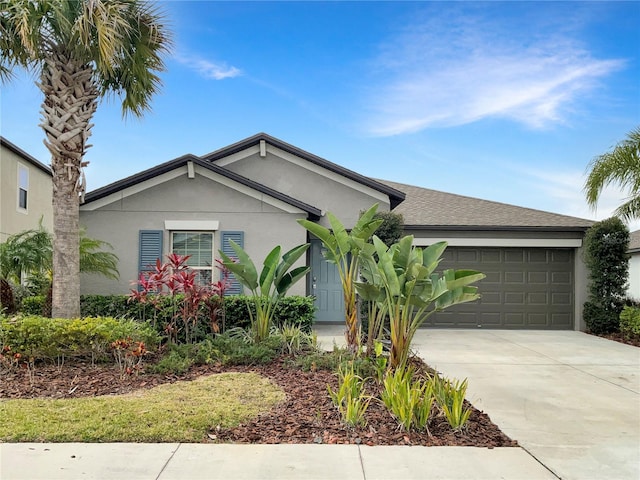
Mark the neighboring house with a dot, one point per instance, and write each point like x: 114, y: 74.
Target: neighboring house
x: 25, y: 191
x: 254, y: 191
x: 634, y: 265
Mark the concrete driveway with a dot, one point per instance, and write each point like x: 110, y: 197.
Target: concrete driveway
x: 570, y: 399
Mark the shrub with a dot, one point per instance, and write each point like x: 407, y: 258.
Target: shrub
x: 350, y: 398
x: 32, y: 305
x: 630, y: 322
x: 408, y: 399
x: 605, y: 255
x: 449, y: 395
x: 46, y: 339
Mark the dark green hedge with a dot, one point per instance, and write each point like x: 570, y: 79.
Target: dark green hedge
x: 295, y: 310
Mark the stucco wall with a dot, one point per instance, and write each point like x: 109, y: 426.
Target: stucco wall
x: 327, y: 191
x: 200, y: 198
x: 13, y: 219
x: 634, y: 276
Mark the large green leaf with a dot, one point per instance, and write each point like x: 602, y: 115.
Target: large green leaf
x: 289, y: 278
x: 340, y: 234
x: 323, y: 233
x: 288, y: 259
x: 243, y: 269
x: 461, y: 278
x: 432, y: 255
x: 366, y: 224
x: 270, y: 265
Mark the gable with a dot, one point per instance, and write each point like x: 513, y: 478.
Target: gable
x: 313, y: 180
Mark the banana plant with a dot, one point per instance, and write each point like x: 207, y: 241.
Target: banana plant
x: 343, y: 249
x: 275, y: 279
x: 411, y: 289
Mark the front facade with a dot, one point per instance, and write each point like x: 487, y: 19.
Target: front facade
x: 254, y: 191
x: 25, y: 191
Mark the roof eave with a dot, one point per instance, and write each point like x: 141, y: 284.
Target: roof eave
x: 499, y: 228
x: 29, y: 158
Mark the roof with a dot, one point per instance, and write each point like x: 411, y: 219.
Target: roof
x: 181, y: 161
x: 426, y: 208
x: 395, y: 196
x: 634, y: 241
x: 25, y: 156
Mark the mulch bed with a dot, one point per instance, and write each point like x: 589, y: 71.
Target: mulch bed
x: 619, y: 337
x: 306, y: 416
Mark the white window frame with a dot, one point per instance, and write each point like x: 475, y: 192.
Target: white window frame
x: 209, y: 268
x: 22, y: 187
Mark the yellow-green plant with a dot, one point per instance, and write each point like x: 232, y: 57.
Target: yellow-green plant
x: 408, y: 399
x: 450, y: 395
x: 343, y: 249
x: 276, y: 278
x: 405, y: 277
x: 350, y: 398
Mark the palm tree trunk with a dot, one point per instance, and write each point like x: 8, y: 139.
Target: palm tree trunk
x: 70, y: 100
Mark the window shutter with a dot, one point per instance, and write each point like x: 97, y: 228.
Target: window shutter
x: 150, y: 249
x: 235, y: 287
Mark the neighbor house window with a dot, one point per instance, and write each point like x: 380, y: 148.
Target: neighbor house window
x: 23, y: 186
x: 199, y: 246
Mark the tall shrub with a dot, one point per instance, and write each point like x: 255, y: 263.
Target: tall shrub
x: 606, y: 257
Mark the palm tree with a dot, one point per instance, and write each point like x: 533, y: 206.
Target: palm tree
x: 28, y: 256
x: 620, y: 166
x: 81, y: 50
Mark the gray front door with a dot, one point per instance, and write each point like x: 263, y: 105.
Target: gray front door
x: 325, y: 286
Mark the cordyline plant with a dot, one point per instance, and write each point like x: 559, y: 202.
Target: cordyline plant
x: 273, y: 283
x: 174, y: 278
x: 343, y: 249
x: 404, y: 276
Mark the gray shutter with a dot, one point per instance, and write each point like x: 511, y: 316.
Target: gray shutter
x: 150, y: 246
x: 235, y: 287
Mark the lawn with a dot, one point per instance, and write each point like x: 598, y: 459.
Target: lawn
x: 176, y: 412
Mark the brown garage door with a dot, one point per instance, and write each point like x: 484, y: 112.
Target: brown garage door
x: 527, y: 288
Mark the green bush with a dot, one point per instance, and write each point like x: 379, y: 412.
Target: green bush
x: 46, y: 339
x: 32, y: 305
x: 630, y: 322
x: 605, y: 254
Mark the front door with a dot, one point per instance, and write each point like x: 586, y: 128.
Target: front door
x: 325, y: 286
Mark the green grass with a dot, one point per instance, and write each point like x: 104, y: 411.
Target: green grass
x: 179, y: 412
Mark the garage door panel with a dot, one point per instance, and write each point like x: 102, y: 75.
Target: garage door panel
x: 524, y: 288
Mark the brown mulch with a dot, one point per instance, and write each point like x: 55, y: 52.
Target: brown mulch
x: 306, y: 416
x: 621, y: 338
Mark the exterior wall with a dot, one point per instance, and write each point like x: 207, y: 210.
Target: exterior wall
x: 12, y: 218
x: 634, y: 276
x: 309, y: 183
x: 182, y: 198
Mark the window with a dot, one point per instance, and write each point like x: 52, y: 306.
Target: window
x: 23, y: 186
x: 199, y: 245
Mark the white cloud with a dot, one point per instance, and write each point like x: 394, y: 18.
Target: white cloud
x: 563, y: 191
x: 209, y: 69
x: 454, y: 70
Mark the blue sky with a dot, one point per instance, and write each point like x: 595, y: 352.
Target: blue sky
x: 503, y: 101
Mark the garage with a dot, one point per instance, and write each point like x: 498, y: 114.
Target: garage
x: 525, y: 288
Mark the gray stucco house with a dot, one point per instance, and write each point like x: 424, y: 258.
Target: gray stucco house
x: 254, y: 191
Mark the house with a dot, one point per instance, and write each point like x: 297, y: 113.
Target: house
x: 25, y: 191
x: 633, y: 289
x: 254, y: 191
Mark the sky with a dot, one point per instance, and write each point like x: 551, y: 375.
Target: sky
x: 505, y: 101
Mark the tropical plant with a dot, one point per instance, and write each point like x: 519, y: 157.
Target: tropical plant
x: 408, y: 399
x: 449, y: 395
x: 343, y: 249
x: 81, y: 50
x: 28, y: 256
x: 605, y: 255
x: 619, y: 166
x: 276, y: 278
x: 411, y: 289
x: 350, y: 398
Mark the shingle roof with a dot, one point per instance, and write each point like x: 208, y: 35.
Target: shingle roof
x: 21, y: 153
x: 432, y: 208
x: 395, y: 196
x: 634, y: 241
x: 180, y: 161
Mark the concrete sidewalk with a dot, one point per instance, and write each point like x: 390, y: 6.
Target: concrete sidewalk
x: 28, y: 461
